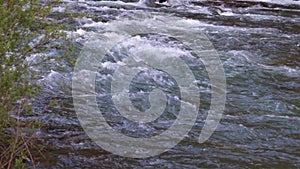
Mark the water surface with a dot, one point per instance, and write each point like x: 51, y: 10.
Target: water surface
x: 259, y: 44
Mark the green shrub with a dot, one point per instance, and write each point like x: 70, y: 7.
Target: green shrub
x: 24, y: 30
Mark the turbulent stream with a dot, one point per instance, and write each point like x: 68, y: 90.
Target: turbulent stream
x: 258, y: 42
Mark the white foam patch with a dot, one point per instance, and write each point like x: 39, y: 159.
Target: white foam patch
x: 281, y: 2
x: 58, y: 9
x: 80, y: 32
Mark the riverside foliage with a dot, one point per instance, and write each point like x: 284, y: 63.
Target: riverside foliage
x: 25, y: 29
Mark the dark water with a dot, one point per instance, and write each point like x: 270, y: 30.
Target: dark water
x: 259, y: 46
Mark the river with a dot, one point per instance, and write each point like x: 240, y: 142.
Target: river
x: 258, y: 43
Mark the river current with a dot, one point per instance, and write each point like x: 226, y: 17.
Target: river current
x: 258, y: 42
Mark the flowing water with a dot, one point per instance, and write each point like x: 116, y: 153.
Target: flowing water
x: 258, y: 42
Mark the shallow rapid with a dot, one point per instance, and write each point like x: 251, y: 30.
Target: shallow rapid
x: 258, y: 42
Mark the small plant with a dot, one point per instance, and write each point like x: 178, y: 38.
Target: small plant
x: 24, y: 30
